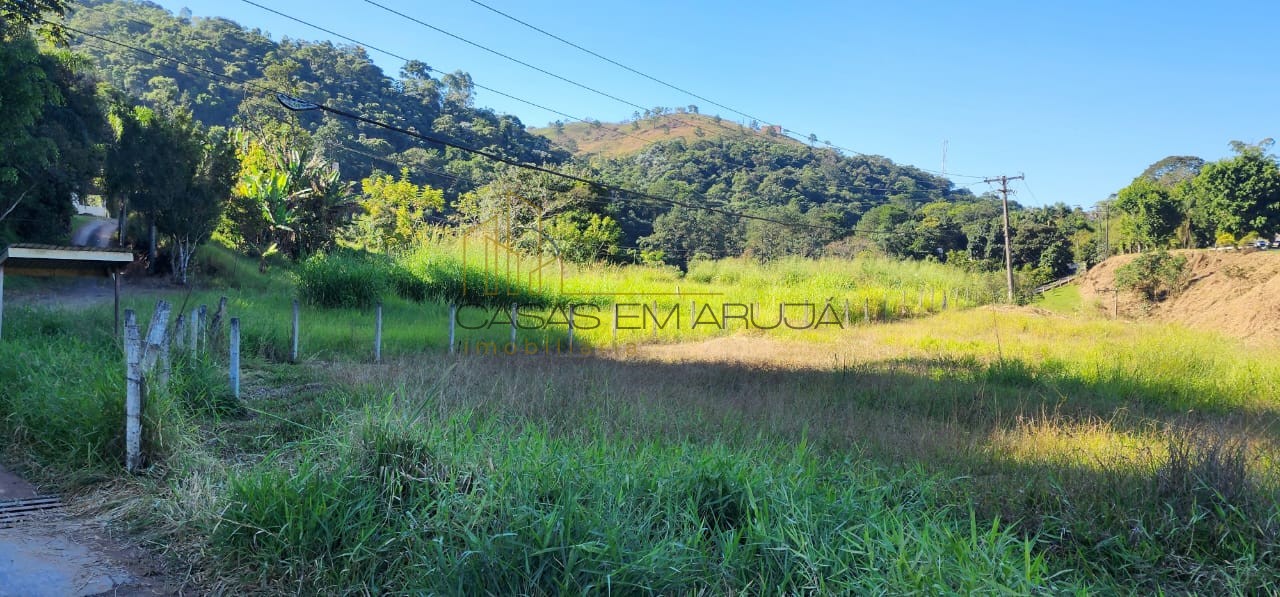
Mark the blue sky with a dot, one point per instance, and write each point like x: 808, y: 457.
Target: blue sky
x: 1080, y: 96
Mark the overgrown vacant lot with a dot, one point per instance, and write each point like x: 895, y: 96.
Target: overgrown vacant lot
x: 991, y: 449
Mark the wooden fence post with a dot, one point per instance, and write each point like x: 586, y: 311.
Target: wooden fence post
x: 571, y: 307
x: 615, y: 324
x: 655, y: 319
x: 180, y: 332
x: 133, y: 392
x: 453, y: 322
x: 514, y: 308
x: 377, y: 335
x: 154, y: 349
x: 215, y: 324
x: 203, y: 325
x: 193, y: 325
x: 234, y: 357
x: 115, y: 288
x: 866, y: 309
x: 293, y: 350
x: 847, y: 320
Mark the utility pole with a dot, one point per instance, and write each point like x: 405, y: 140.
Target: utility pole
x: 1008, y: 251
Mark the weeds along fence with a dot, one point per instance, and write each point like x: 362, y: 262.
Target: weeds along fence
x: 191, y: 339
x: 201, y: 337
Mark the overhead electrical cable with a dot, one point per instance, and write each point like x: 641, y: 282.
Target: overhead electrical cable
x: 522, y: 100
x: 790, y: 132
x: 296, y: 104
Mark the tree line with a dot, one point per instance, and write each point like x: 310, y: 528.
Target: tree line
x: 181, y: 158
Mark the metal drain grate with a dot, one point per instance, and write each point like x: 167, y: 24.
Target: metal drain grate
x: 13, y: 511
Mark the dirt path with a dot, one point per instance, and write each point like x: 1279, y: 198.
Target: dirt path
x: 49, y: 552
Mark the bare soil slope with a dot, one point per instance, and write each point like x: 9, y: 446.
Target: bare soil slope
x: 1233, y: 292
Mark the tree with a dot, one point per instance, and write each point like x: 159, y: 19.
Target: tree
x: 1154, y: 212
x: 393, y: 211
x: 1242, y: 194
x: 18, y: 16
x: 582, y: 237
x: 152, y: 162
x: 53, y: 128
x: 168, y: 168
x: 190, y: 219
x: 1175, y: 169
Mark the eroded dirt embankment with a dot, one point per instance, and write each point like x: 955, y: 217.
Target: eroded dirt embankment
x: 1236, y: 293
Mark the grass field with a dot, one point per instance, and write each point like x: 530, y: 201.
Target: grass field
x: 979, y: 449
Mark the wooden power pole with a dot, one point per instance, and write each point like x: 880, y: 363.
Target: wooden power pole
x: 1008, y: 250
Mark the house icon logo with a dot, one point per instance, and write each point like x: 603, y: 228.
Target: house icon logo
x: 511, y: 258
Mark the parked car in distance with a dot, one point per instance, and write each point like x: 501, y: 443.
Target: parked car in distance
x: 1261, y: 244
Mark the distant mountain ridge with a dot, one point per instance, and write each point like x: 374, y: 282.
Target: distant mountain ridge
x: 607, y: 139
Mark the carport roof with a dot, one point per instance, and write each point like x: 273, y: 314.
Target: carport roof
x: 59, y: 260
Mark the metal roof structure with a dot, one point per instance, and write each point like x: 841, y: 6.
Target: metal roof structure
x: 57, y: 260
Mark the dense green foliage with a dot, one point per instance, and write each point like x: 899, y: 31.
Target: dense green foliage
x: 1186, y: 202
x: 1155, y: 276
x: 53, y: 127
x: 340, y: 76
x: 355, y: 279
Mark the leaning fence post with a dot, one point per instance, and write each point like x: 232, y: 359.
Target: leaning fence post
x: 180, y: 332
x: 133, y: 392
x: 377, y: 334
x: 215, y: 324
x: 293, y: 350
x: 153, y: 347
x: 203, y: 326
x: 193, y: 328
x: 453, y: 321
x: 234, y: 357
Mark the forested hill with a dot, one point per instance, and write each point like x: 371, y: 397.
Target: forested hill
x: 699, y: 158
x: 341, y: 76
x: 802, y: 198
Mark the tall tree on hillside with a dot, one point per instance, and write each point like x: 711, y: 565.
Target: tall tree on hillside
x: 1155, y: 212
x: 1242, y: 194
x: 1173, y: 170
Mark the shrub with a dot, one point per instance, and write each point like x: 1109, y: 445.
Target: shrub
x: 343, y: 279
x: 1155, y: 276
x: 357, y: 279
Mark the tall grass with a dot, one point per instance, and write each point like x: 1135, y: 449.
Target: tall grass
x: 397, y: 503
x: 62, y: 396
x: 983, y: 450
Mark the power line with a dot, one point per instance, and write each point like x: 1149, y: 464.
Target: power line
x: 618, y: 64
x: 785, y: 130
x: 521, y: 62
x: 407, y: 60
x: 286, y: 100
x: 403, y: 58
x: 615, y: 190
